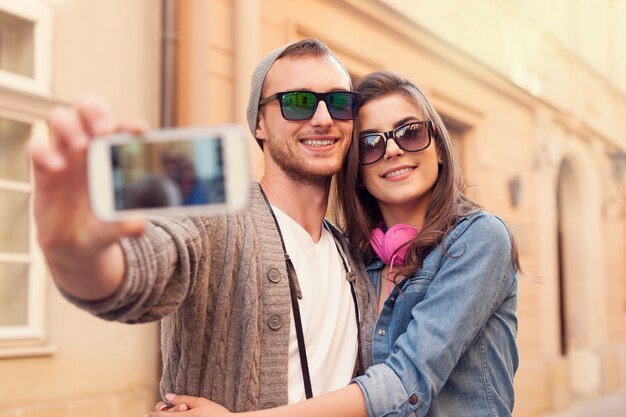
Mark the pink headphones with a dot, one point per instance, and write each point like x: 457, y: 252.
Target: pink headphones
x: 389, y: 246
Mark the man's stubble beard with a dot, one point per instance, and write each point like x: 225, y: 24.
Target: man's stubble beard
x: 297, y: 169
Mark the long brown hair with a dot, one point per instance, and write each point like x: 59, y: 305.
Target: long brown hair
x: 359, y: 209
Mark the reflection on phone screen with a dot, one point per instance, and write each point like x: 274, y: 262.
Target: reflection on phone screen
x: 166, y: 174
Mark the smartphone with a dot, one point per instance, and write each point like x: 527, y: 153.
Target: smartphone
x: 199, y: 170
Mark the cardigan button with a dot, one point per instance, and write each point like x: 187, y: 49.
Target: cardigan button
x: 413, y: 399
x: 269, y: 404
x: 275, y: 322
x: 351, y: 276
x: 273, y: 275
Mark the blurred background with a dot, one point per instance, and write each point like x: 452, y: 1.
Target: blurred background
x: 533, y: 91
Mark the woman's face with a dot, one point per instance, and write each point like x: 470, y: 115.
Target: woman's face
x: 401, y: 181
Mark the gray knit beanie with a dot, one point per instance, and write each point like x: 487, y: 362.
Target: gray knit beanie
x: 256, y: 87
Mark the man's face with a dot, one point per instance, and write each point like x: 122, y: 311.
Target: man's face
x: 307, y: 150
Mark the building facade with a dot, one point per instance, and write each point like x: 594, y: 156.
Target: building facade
x: 534, y: 94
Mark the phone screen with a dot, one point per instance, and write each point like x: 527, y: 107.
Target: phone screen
x: 168, y: 173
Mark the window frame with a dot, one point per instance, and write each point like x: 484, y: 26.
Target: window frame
x: 40, y: 15
x: 25, y: 99
x: 30, y: 339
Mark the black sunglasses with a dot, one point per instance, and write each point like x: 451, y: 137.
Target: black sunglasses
x: 301, y: 105
x: 411, y: 137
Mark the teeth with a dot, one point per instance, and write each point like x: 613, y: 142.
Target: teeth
x: 398, y: 172
x: 318, y: 143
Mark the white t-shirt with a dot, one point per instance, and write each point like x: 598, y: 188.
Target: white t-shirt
x: 327, y: 311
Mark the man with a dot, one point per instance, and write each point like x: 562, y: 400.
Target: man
x: 220, y: 285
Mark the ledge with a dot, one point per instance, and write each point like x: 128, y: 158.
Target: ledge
x: 12, y: 352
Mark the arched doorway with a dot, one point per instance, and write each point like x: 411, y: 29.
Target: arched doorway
x: 568, y: 216
x: 575, y: 290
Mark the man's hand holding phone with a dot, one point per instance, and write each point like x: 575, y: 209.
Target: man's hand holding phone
x: 81, y: 250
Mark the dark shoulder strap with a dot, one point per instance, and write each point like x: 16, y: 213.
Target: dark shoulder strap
x: 296, y: 293
x: 351, y: 276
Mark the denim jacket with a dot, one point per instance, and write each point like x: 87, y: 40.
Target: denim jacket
x: 444, y: 343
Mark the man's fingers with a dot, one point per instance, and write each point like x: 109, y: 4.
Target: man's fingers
x: 67, y: 130
x: 160, y: 406
x: 134, y: 126
x: 187, y: 400
x: 162, y: 409
x: 46, y: 160
x: 181, y: 404
x: 95, y: 115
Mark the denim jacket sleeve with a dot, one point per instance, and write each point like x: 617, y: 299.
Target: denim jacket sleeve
x: 469, y: 281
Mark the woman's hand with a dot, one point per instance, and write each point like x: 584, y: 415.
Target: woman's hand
x: 190, y: 406
x: 345, y: 402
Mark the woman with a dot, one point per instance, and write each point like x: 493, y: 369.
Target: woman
x: 445, y: 271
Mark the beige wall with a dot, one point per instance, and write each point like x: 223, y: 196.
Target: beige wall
x: 112, y: 48
x: 528, y: 93
x: 95, y: 368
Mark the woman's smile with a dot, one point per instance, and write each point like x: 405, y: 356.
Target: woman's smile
x: 397, y: 173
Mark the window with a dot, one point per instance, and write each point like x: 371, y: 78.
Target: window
x: 25, y: 45
x: 16, y: 45
x: 459, y: 136
x: 22, y: 273
x: 15, y: 190
x: 25, y: 35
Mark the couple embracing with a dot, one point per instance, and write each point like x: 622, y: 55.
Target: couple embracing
x: 272, y: 311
